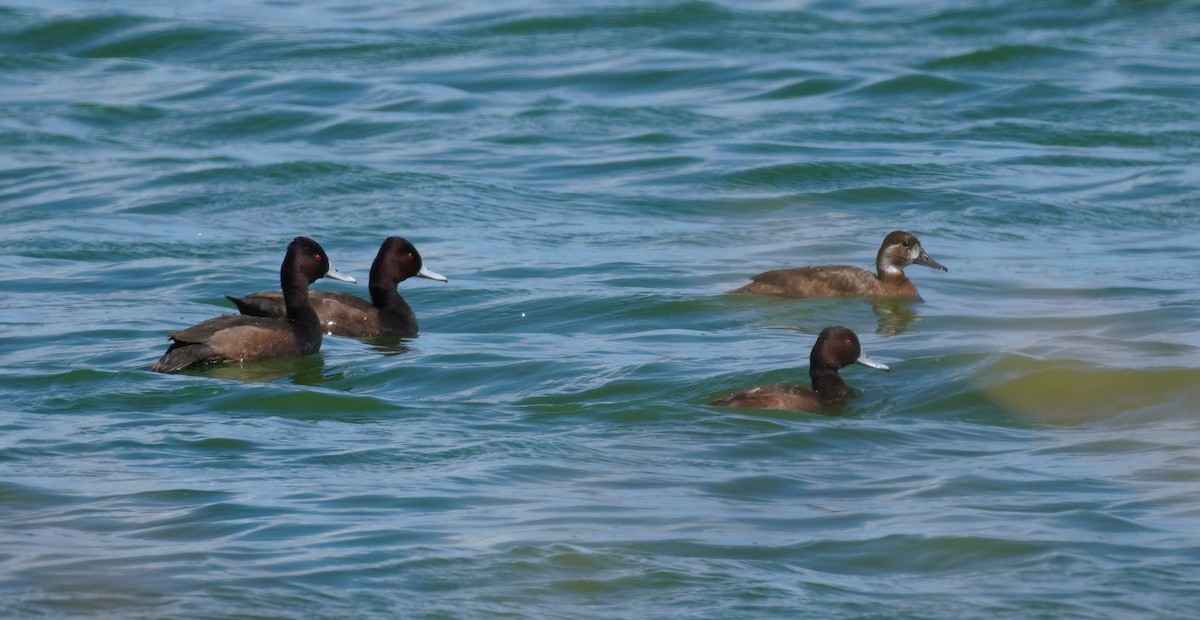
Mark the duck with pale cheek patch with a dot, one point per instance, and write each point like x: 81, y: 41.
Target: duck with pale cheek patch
x: 836, y: 348
x: 238, y: 338
x: 386, y: 314
x: 899, y: 250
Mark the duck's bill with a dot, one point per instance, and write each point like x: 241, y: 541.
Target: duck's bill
x: 431, y: 275
x: 865, y: 360
x: 337, y: 275
x: 924, y: 259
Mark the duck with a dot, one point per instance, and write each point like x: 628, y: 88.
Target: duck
x: 898, y: 250
x: 836, y: 348
x: 239, y: 338
x: 386, y: 314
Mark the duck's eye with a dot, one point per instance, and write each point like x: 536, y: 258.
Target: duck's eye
x: 847, y: 342
x: 410, y: 256
x: 317, y: 257
x: 907, y: 244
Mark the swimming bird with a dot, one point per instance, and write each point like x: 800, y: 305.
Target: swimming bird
x: 387, y: 314
x: 898, y: 250
x: 836, y: 347
x: 237, y: 338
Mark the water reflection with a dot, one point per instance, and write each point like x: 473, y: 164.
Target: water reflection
x: 894, y: 316
x: 307, y: 370
x: 388, y: 345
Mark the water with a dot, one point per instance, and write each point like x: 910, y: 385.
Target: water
x: 593, y: 176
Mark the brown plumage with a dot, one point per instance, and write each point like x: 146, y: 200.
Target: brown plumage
x: 387, y: 314
x: 236, y: 338
x: 898, y: 250
x: 836, y: 347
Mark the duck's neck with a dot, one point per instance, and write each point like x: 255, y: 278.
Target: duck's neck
x: 896, y: 285
x: 299, y: 310
x: 828, y: 384
x: 394, y: 312
x: 885, y: 270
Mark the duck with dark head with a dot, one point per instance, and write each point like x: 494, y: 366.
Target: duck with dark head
x: 836, y: 348
x: 238, y: 338
x: 387, y: 314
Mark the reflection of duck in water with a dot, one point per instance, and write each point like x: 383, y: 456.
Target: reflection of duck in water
x: 894, y: 316
x: 899, y: 250
x: 836, y: 347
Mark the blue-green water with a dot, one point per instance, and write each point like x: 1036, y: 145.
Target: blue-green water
x: 593, y: 176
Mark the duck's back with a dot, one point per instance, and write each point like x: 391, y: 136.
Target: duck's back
x: 346, y: 315
x: 265, y: 303
x: 232, y: 338
x: 333, y: 308
x: 780, y: 396
x: 821, y: 281
x: 829, y: 281
x: 340, y: 314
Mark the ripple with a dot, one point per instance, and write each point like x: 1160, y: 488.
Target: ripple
x: 834, y: 175
x: 999, y: 57
x: 811, y: 87
x: 923, y: 86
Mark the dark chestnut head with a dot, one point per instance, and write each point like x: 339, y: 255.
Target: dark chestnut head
x: 398, y: 260
x: 307, y: 260
x: 838, y: 347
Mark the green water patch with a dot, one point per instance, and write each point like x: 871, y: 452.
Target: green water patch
x: 22, y: 498
x: 828, y: 176
x: 109, y: 116
x: 1021, y: 57
x: 925, y: 88
x: 69, y: 34
x: 162, y: 42
x: 810, y: 87
x: 675, y: 15
x: 1070, y: 392
x: 117, y: 35
x: 303, y: 404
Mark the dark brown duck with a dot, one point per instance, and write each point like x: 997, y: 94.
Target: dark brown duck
x: 898, y: 250
x: 237, y: 338
x: 836, y: 348
x: 387, y: 314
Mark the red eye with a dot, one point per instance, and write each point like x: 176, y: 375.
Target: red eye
x: 410, y: 256
x: 847, y: 341
x: 317, y: 257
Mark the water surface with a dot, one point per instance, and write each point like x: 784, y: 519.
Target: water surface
x: 593, y: 177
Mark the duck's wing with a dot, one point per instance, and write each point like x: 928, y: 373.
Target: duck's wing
x: 335, y: 307
x: 820, y: 281
x: 239, y: 337
x: 264, y: 303
x: 332, y: 306
x: 230, y: 337
x: 792, y: 397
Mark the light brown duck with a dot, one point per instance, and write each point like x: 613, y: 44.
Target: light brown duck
x: 898, y: 250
